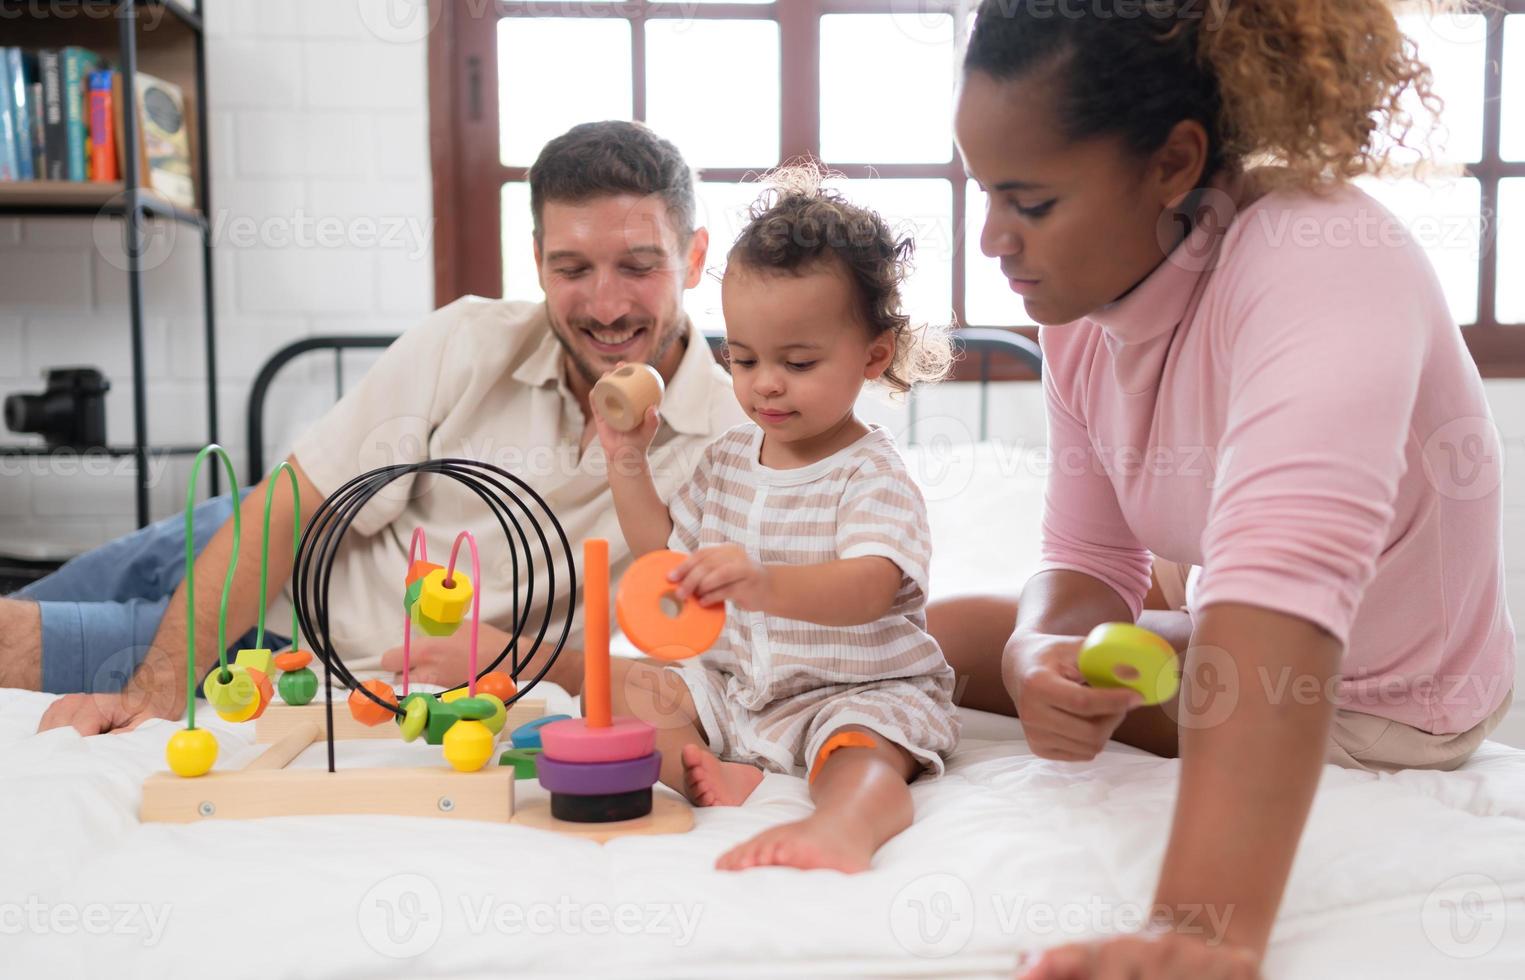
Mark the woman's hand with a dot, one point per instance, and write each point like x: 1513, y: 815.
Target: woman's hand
x: 1063, y: 717
x: 1147, y: 956
x: 724, y: 572
x: 625, y: 446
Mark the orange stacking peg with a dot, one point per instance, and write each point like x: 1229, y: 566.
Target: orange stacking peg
x: 595, y: 605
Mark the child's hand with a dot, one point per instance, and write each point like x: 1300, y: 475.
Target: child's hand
x: 724, y: 573
x: 625, y: 447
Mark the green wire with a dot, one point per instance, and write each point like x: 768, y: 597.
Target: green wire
x: 264, y: 552
x: 190, y: 578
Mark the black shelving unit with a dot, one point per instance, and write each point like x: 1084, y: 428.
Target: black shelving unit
x: 177, y: 52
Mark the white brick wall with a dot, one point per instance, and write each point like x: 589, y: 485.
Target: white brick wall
x: 318, y: 121
x: 322, y: 224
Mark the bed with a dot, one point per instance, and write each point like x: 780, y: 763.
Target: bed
x: 1414, y: 875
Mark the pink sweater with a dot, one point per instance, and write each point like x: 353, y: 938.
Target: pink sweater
x: 1289, y: 405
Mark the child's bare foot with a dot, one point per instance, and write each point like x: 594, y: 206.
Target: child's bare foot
x: 711, y: 782
x: 810, y: 843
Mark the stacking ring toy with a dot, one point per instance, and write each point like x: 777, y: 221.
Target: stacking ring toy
x: 598, y: 778
x: 527, y: 736
x: 574, y: 740
x: 659, y: 623
x: 1124, y: 655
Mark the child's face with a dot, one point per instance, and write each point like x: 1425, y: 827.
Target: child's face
x: 799, y: 350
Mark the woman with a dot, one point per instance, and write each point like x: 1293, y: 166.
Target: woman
x: 1251, y: 371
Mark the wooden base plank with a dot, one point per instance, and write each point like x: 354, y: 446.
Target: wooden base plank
x: 279, y: 719
x: 670, y: 814
x: 438, y: 791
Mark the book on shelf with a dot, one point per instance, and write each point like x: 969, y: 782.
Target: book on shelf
x: 11, y: 151
x: 61, y: 119
x: 164, y: 137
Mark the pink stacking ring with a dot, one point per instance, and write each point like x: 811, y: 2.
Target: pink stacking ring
x: 598, y: 778
x: 571, y: 740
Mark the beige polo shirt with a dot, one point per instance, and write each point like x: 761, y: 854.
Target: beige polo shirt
x: 484, y: 379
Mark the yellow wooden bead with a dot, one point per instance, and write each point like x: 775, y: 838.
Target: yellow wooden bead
x: 235, y: 699
x: 441, y: 603
x: 236, y: 715
x: 454, y: 695
x: 255, y: 660
x: 494, y: 721
x: 191, y: 752
x: 468, y: 745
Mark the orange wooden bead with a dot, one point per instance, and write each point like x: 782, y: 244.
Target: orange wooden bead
x: 292, y: 660
x: 266, y: 691
x: 419, y: 569
x: 497, y: 684
x: 368, y: 712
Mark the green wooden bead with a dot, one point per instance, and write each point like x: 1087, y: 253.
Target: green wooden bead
x: 475, y: 709
x: 442, y: 715
x: 411, y: 597
x: 415, y: 717
x: 297, y: 686
x: 433, y: 627
x: 522, y: 760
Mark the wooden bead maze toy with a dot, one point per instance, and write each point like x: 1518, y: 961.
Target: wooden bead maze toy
x: 464, y: 721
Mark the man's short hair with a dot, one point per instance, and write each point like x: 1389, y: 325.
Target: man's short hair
x: 613, y: 157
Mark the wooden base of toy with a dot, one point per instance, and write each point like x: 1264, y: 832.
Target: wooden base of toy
x: 670, y: 814
x: 279, y: 719
x: 264, y: 788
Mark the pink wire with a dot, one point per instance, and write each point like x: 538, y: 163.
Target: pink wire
x: 476, y: 603
x: 418, y: 549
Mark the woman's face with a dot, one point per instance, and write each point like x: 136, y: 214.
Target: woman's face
x: 1074, y: 225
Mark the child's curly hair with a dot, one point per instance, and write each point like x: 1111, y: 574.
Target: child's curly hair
x: 797, y: 225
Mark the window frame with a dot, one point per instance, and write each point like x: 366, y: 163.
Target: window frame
x: 469, y: 176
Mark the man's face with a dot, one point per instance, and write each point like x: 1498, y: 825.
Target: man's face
x: 614, y: 270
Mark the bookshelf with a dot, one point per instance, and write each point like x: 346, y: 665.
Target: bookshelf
x: 164, y: 38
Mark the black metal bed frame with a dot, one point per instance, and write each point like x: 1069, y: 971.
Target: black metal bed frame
x: 984, y: 343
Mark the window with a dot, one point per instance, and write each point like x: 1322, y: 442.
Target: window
x: 867, y: 87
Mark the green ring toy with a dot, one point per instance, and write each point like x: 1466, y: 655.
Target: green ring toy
x: 1124, y: 655
x: 415, y: 717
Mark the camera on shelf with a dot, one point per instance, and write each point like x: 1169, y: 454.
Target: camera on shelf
x: 70, y: 414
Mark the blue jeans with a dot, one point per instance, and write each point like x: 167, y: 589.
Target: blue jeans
x: 101, y: 611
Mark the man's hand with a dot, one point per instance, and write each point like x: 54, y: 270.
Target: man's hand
x: 1063, y: 718
x: 724, y: 572
x: 97, y: 714
x: 1147, y: 956
x: 443, y: 660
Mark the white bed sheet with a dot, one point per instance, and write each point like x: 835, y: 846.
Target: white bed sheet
x: 1414, y: 875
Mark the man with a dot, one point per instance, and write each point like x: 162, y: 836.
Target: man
x: 508, y: 383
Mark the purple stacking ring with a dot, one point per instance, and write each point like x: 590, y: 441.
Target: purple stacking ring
x: 598, y: 778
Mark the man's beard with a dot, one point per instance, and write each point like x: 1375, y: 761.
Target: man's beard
x: 670, y: 334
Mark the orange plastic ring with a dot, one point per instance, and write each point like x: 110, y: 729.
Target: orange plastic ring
x: 657, y: 622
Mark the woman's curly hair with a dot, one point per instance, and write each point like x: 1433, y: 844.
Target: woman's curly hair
x: 798, y: 226
x: 1310, y: 87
